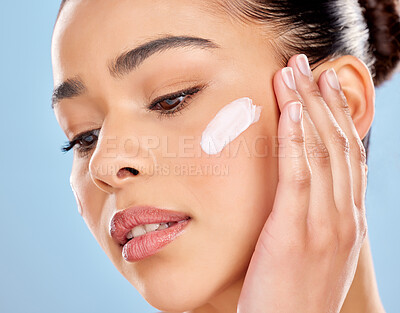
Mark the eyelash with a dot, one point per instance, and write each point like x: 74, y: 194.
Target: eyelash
x: 187, y: 93
x: 76, y: 142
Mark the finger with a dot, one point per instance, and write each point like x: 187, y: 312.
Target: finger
x: 316, y: 152
x: 332, y: 93
x: 293, y: 192
x: 332, y: 135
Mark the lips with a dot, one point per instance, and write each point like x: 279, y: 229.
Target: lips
x: 123, y: 221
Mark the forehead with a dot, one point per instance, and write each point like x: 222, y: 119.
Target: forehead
x: 93, y: 30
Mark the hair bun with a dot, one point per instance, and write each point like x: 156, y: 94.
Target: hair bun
x: 383, y: 20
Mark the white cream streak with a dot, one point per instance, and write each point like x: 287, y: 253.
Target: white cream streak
x: 229, y: 123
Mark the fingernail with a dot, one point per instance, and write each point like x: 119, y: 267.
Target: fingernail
x: 332, y: 79
x: 288, y: 77
x: 295, y: 111
x: 304, y: 66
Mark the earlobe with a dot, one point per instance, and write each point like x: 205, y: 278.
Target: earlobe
x: 358, y: 88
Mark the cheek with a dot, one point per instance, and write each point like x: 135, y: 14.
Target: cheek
x: 89, y: 197
x: 232, y: 191
x: 241, y: 200
x: 235, y: 197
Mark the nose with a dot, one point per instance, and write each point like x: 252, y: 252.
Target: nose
x: 112, y: 166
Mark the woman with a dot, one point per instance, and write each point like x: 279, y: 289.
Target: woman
x: 273, y: 220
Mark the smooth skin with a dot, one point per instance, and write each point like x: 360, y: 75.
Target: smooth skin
x: 203, y: 271
x: 309, y: 247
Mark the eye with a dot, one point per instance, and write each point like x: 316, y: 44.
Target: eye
x: 83, y: 142
x: 171, y: 104
x: 167, y: 105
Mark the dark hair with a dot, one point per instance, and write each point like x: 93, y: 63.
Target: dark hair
x: 324, y: 29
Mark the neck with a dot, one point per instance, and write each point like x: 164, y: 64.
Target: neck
x: 363, y: 295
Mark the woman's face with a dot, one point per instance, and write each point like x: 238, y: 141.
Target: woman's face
x: 228, y: 196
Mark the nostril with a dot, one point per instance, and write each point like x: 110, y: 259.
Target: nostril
x: 132, y: 170
x: 126, y: 170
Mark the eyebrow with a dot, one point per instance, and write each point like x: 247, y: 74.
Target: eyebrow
x: 131, y: 60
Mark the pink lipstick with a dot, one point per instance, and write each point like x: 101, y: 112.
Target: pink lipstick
x: 143, y: 230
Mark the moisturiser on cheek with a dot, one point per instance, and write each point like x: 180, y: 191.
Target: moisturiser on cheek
x: 229, y: 123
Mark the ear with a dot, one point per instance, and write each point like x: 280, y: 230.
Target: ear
x: 358, y: 88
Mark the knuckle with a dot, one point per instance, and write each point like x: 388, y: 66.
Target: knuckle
x: 363, y: 227
x: 349, y: 234
x: 317, y: 151
x: 360, y: 150
x: 364, y: 231
x: 315, y: 93
x: 297, y: 138
x: 360, y: 207
x: 301, y: 179
x: 339, y: 138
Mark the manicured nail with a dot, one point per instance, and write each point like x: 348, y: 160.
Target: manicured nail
x: 332, y: 79
x: 304, y: 66
x: 295, y: 111
x: 288, y: 77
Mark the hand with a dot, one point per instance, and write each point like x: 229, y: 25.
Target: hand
x: 307, y: 253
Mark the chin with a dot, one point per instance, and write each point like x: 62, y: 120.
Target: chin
x: 176, y: 293
x: 179, y: 286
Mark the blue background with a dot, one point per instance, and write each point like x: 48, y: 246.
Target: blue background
x: 49, y: 261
